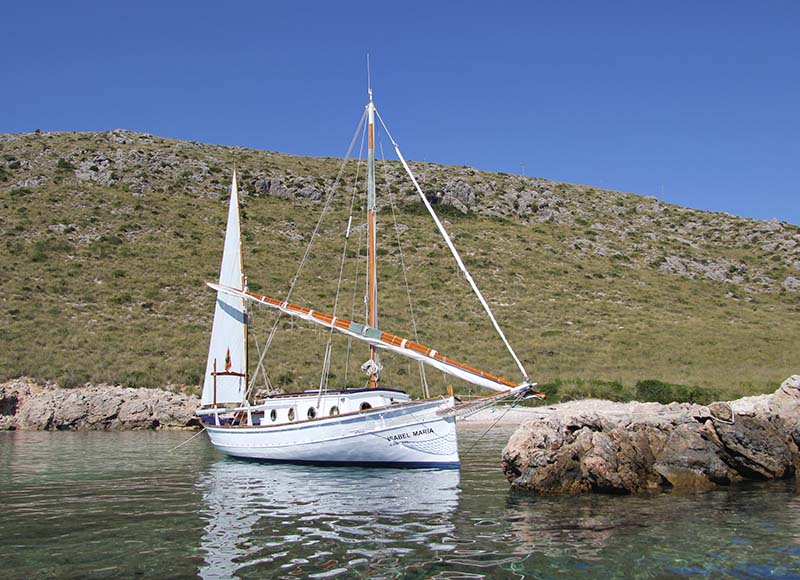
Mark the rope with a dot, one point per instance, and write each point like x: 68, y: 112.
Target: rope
x: 200, y: 432
x: 353, y: 299
x: 454, y: 252
x: 260, y: 367
x: 423, y: 378
x: 314, y: 234
x: 326, y: 365
x: 489, y: 429
x: 358, y: 253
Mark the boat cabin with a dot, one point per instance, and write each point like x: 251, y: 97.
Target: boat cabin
x: 305, y: 406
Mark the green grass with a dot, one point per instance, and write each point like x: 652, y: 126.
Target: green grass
x: 102, y: 284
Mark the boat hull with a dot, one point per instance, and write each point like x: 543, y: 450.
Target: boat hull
x: 404, y: 435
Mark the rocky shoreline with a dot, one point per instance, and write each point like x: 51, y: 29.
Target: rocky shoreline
x: 580, y: 446
x: 600, y: 446
x: 26, y: 405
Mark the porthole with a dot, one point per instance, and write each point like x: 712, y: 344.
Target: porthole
x: 312, y: 413
x: 334, y: 411
x: 291, y: 414
x: 273, y: 415
x: 365, y: 406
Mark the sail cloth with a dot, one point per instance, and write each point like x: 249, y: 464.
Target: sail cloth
x: 227, y: 351
x: 379, y: 339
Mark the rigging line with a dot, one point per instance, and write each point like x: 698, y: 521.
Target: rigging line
x: 327, y: 364
x: 358, y: 253
x: 454, y: 252
x: 489, y: 429
x: 423, y: 377
x: 267, y: 383
x: 331, y: 191
x: 200, y: 432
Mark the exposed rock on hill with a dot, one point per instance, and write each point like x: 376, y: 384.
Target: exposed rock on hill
x: 25, y: 405
x: 639, y: 231
x: 624, y: 448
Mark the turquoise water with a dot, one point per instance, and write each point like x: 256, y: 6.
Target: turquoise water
x: 119, y: 505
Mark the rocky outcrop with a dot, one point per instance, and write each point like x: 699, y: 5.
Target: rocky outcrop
x: 634, y: 447
x: 634, y: 231
x: 26, y: 405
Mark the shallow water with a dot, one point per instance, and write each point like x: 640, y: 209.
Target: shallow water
x: 119, y: 504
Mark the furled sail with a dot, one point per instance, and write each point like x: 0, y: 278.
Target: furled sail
x: 226, y: 369
x: 379, y: 339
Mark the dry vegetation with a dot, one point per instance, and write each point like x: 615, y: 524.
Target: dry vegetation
x: 102, y: 273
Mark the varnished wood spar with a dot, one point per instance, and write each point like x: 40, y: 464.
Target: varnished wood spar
x: 386, y: 337
x: 245, y: 342
x: 372, y: 259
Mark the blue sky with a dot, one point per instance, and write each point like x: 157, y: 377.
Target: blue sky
x: 695, y: 102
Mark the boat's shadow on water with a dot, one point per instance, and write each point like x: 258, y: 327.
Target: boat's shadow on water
x: 298, y: 519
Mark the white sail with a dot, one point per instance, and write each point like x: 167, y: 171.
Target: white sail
x: 225, y: 378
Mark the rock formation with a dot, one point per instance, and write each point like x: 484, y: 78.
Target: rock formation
x: 26, y: 405
x: 634, y: 447
x: 642, y: 232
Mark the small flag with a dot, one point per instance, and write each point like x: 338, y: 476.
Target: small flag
x: 228, y: 361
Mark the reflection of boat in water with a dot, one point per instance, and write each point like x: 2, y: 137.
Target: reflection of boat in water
x: 256, y: 515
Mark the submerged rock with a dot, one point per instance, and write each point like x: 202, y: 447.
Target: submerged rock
x: 26, y: 405
x: 634, y: 447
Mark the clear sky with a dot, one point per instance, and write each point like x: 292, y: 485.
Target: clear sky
x: 693, y: 101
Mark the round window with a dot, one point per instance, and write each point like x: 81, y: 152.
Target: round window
x: 365, y: 406
x: 291, y: 414
x: 312, y: 413
x: 334, y: 411
x: 273, y: 415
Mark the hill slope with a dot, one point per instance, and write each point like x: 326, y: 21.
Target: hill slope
x: 107, y: 239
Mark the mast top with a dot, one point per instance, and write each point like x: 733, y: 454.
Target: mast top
x: 369, y: 80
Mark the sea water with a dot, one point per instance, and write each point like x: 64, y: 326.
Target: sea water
x: 123, y: 505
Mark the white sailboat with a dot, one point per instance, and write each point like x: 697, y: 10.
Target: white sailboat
x: 371, y: 426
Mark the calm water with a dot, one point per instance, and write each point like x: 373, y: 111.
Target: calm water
x: 111, y: 505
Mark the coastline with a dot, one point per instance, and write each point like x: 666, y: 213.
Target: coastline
x: 28, y: 405
x: 504, y: 416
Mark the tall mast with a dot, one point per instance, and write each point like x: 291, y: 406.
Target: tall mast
x: 372, y: 274
x: 235, y: 194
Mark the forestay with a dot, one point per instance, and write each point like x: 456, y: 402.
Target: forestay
x: 379, y: 339
x: 225, y: 378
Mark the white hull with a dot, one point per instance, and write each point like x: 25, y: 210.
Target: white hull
x: 403, y: 435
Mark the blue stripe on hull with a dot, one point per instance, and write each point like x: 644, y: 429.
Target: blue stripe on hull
x: 383, y: 464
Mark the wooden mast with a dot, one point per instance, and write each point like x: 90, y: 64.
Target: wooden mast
x: 372, y: 274
x: 246, y: 376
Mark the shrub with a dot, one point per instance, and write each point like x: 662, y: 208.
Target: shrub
x: 137, y: 379
x: 654, y: 391
x: 661, y: 392
x: 191, y: 375
x: 550, y: 389
x: 64, y: 165
x: 72, y: 378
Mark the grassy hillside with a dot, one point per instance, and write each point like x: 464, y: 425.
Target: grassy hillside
x: 107, y: 239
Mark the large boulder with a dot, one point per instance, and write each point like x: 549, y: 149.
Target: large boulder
x: 632, y: 447
x: 13, y: 395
